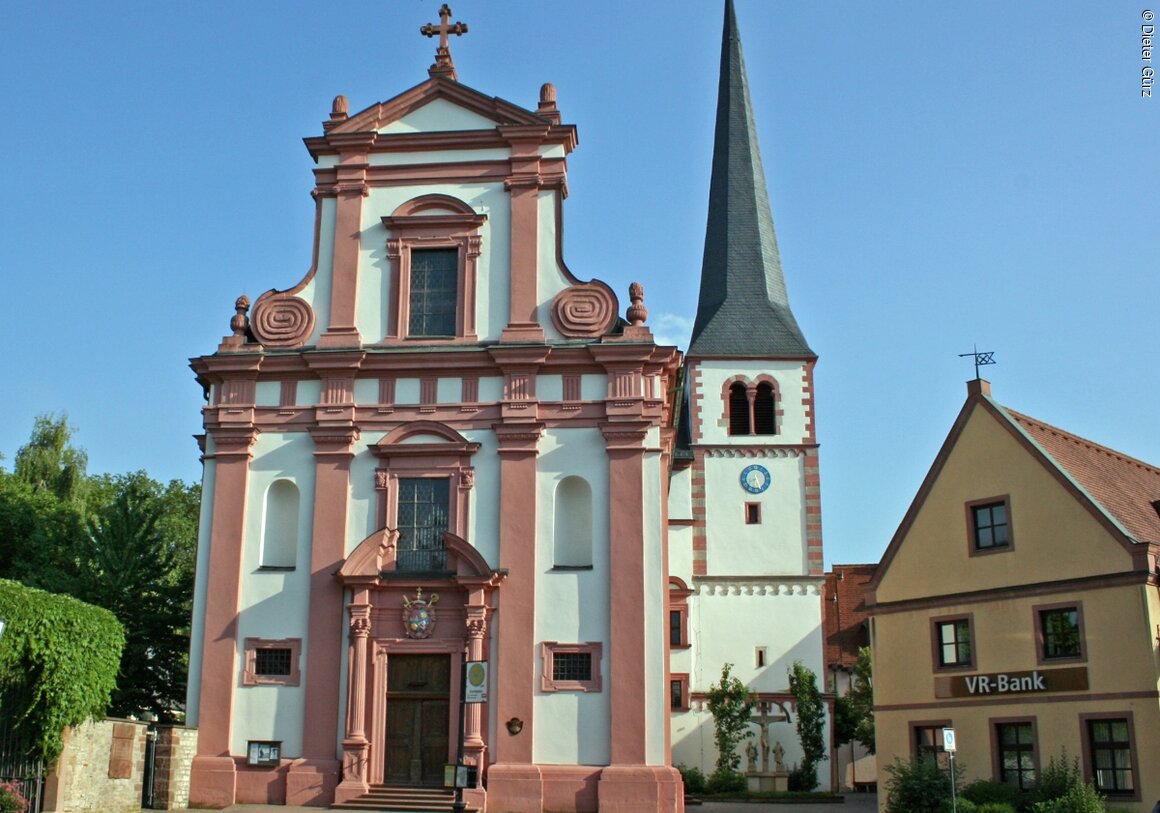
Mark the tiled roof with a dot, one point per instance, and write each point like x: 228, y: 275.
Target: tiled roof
x: 743, y: 309
x: 1124, y: 487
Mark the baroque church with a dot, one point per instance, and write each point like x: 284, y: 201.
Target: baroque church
x: 460, y: 508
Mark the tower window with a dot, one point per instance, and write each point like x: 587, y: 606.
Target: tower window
x: 764, y: 410
x: 738, y: 409
x: 752, y: 513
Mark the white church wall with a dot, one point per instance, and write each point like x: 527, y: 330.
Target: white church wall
x: 483, y: 501
x: 655, y: 589
x: 773, y: 546
x: 200, y: 585
x: 406, y: 391
x: 362, y: 505
x: 550, y: 278
x: 309, y: 392
x: 373, y: 297
x: 316, y: 292
x: 391, y: 159
x: 681, y: 494
x: 681, y: 552
x: 710, y: 387
x: 572, y: 727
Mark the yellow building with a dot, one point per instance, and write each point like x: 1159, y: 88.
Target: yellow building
x: 1017, y: 604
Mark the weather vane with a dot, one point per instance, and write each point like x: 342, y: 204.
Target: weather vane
x: 981, y: 359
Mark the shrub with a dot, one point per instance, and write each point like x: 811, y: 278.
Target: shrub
x: 917, y: 786
x: 694, y: 779
x: 961, y: 805
x: 730, y: 703
x: 11, y: 799
x: 803, y: 777
x: 58, y: 663
x: 983, y: 791
x: 1081, y: 798
x: 996, y: 807
x: 726, y: 782
x: 1060, y: 776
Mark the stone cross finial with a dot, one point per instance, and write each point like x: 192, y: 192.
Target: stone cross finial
x: 443, y: 65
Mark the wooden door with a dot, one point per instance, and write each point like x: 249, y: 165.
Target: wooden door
x: 418, y: 718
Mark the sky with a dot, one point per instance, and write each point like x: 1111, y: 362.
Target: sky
x: 943, y: 176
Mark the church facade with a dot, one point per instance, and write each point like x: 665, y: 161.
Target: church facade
x: 441, y: 465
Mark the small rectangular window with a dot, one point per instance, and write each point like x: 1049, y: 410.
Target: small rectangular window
x: 990, y: 526
x: 1060, y: 631
x: 570, y: 667
x: 752, y: 513
x: 953, y: 642
x: 272, y: 661
x: 676, y: 694
x: 759, y: 656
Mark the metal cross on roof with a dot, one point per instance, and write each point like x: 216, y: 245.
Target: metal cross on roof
x: 981, y: 359
x: 443, y: 65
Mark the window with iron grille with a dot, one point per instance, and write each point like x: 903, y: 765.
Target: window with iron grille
x: 434, y: 292
x: 272, y: 661
x: 422, y: 519
x: 570, y: 667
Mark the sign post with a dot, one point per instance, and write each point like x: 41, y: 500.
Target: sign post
x: 950, y: 747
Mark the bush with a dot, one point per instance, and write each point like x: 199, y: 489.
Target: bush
x: 803, y: 777
x: 996, y: 807
x: 694, y: 779
x: 983, y: 791
x: 11, y: 799
x: 959, y: 806
x: 58, y: 663
x: 1080, y: 798
x: 918, y: 786
x: 726, y: 782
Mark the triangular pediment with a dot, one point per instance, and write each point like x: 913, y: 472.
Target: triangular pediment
x: 437, y: 105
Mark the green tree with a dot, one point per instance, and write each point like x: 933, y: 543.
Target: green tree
x: 730, y: 704
x: 854, y: 711
x: 37, y: 529
x: 49, y: 461
x: 811, y: 722
x: 136, y: 560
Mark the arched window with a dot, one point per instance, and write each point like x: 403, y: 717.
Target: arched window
x: 573, y: 524
x: 764, y: 410
x: 738, y: 409
x: 280, y: 526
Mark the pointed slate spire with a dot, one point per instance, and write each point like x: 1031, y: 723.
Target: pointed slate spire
x: 743, y: 309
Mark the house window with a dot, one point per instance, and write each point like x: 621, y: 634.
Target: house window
x: 422, y: 521
x: 952, y: 642
x: 738, y: 409
x: 271, y: 662
x: 1015, y: 751
x: 679, y: 692
x: 928, y: 742
x: 570, y: 667
x: 990, y: 526
x: 752, y: 513
x: 1110, y: 759
x: 676, y: 628
x: 434, y: 293
x: 1060, y: 633
x: 764, y: 406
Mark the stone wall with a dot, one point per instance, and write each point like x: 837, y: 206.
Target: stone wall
x: 176, y: 747
x: 99, y: 770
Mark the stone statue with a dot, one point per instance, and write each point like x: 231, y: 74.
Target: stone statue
x: 765, y: 749
x: 751, y: 753
x: 778, y: 753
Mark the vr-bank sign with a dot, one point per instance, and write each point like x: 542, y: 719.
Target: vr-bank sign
x: 1000, y: 683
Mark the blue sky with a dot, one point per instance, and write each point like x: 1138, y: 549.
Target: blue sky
x: 941, y: 175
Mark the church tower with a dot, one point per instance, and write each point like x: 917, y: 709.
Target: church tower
x: 745, y: 509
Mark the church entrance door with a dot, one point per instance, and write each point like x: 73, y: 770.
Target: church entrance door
x: 418, y: 718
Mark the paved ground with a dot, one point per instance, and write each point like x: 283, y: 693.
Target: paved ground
x: 854, y: 803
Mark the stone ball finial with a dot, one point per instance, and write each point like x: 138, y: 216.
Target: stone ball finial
x: 637, y: 313
x: 239, y: 322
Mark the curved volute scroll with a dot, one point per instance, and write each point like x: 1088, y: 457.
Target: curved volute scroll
x: 282, y: 320
x: 468, y: 560
x: 586, y: 310
x: 370, y: 558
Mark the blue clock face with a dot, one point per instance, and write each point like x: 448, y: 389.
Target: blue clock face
x: 755, y: 479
